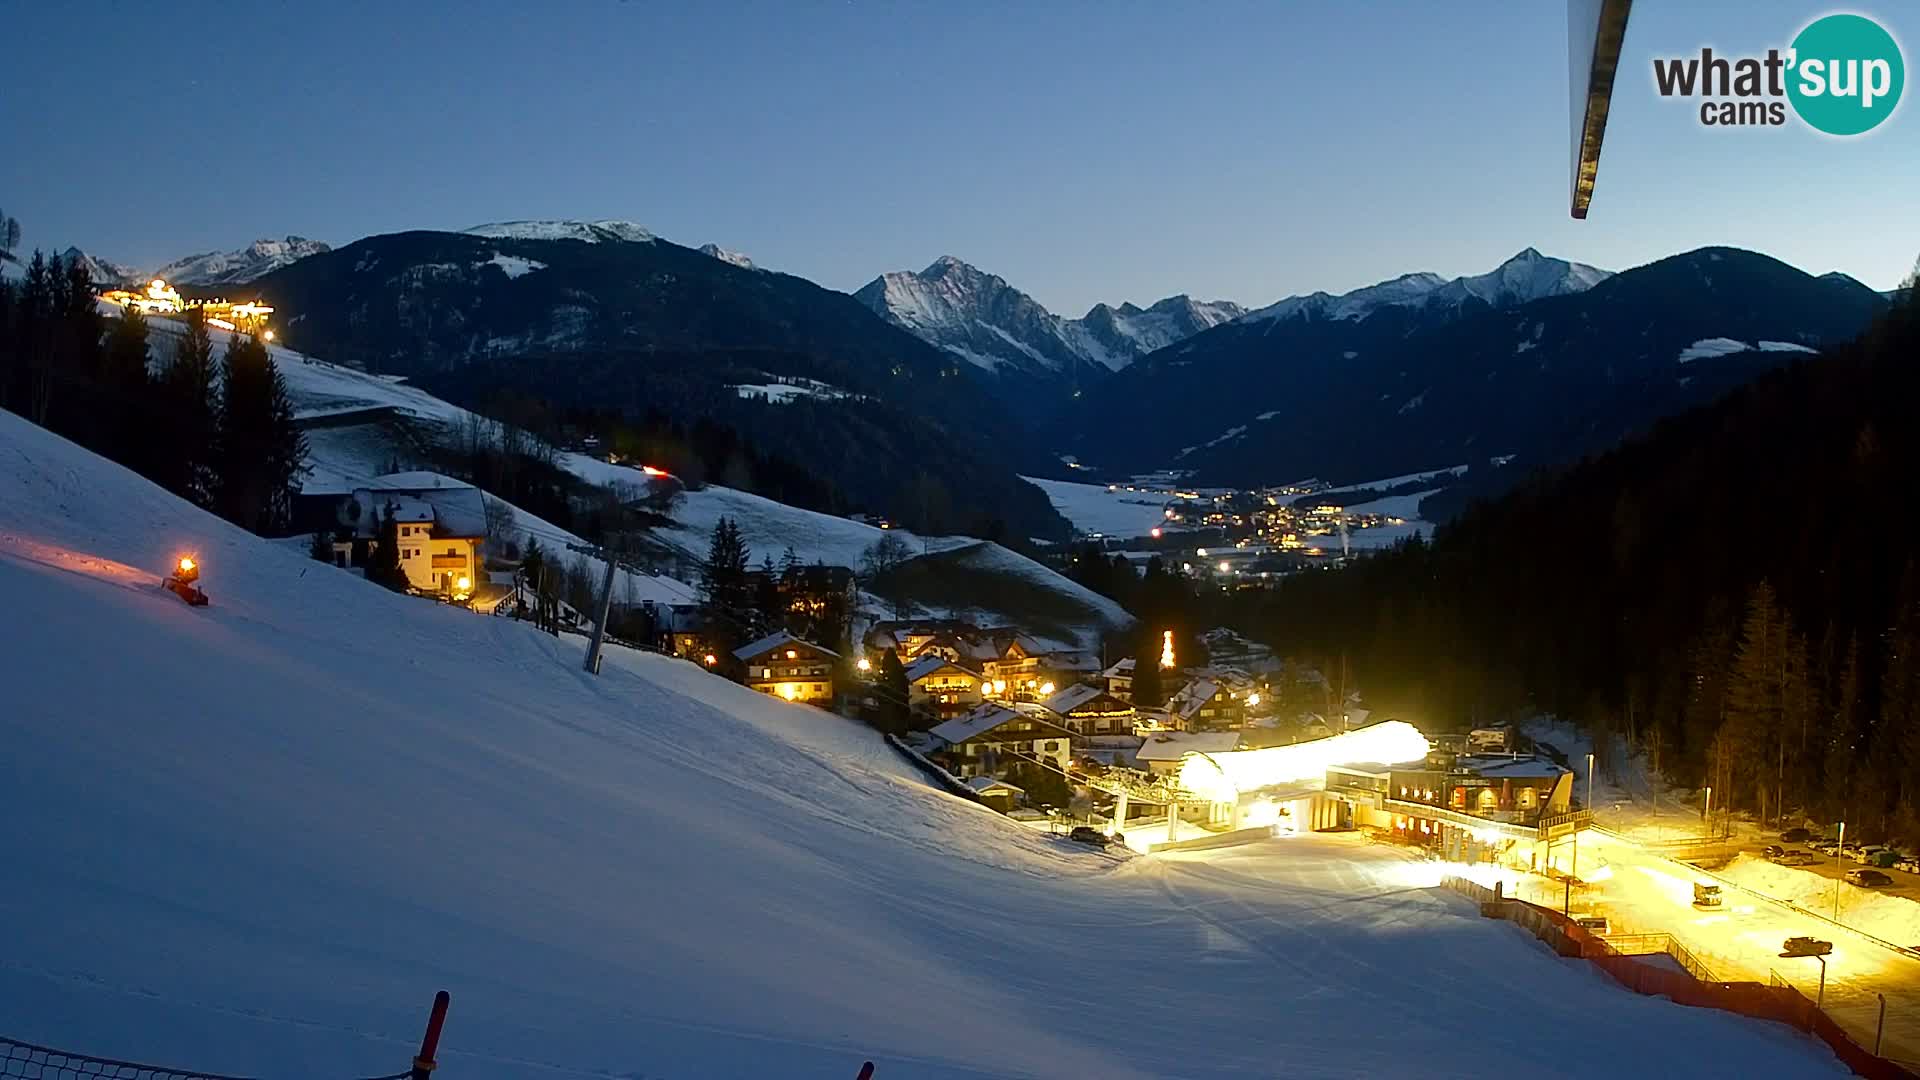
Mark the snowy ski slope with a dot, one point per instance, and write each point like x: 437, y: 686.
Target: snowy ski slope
x: 254, y: 838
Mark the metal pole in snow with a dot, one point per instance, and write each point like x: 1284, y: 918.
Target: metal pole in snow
x: 1880, y: 1028
x: 600, y: 628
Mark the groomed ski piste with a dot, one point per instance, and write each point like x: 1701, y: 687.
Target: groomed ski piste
x: 254, y: 838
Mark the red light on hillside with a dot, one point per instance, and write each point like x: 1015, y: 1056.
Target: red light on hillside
x: 651, y: 471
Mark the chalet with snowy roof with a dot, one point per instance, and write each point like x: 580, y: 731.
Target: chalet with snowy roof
x: 938, y: 687
x: 1085, y: 709
x: 993, y: 739
x: 1017, y: 668
x: 1204, y: 705
x: 439, y: 531
x: 785, y: 666
x: 1119, y: 679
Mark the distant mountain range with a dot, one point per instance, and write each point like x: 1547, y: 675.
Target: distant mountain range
x: 1538, y: 362
x: 209, y: 269
x: 980, y: 318
x: 608, y: 318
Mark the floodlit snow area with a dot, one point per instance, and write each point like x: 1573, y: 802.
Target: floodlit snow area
x: 1091, y: 508
x: 255, y: 837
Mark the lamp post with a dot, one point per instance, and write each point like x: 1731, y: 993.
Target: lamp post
x: 1709, y: 813
x: 1589, y: 783
x: 1836, y: 872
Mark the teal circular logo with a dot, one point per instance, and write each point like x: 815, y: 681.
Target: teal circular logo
x: 1846, y: 74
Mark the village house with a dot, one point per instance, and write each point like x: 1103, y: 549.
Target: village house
x: 439, y: 533
x: 997, y: 794
x: 993, y: 738
x: 1119, y: 679
x: 1205, y: 705
x: 1466, y: 806
x: 1085, y: 709
x: 785, y: 666
x: 938, y: 687
x: 1017, y: 670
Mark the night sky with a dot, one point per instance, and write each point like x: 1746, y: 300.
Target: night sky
x: 1086, y: 152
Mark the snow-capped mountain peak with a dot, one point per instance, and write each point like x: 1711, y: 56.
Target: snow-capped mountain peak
x: 978, y: 316
x: 733, y: 258
x: 1526, y: 276
x: 592, y: 232
x: 101, y: 271
x: 256, y: 260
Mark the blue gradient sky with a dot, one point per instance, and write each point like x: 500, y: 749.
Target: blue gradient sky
x: 1085, y: 152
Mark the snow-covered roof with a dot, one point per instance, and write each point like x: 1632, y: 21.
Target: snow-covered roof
x: 452, y: 511
x: 1073, y: 697
x: 1191, y: 696
x: 1174, y: 745
x: 984, y: 784
x: 1503, y: 767
x: 775, y: 641
x: 985, y: 719
x: 1121, y: 669
x: 928, y: 665
x: 1084, y: 663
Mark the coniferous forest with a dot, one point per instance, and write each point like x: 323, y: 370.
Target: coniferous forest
x: 213, y: 425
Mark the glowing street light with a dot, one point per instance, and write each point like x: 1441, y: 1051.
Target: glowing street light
x: 464, y: 584
x: 1223, y: 566
x: 863, y: 664
x: 1253, y: 699
x: 1046, y: 688
x: 710, y: 659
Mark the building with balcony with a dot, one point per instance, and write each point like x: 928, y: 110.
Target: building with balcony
x: 784, y: 666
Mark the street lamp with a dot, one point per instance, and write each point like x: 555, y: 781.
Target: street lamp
x: 1837, y: 852
x: 1709, y: 814
x: 1589, y: 783
x: 1802, y: 947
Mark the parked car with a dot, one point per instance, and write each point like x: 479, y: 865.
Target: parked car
x: 1796, y: 836
x: 1869, y: 879
x: 1772, y: 851
x: 1086, y: 835
x: 1806, y: 946
x: 1868, y: 855
x: 1596, y: 923
x: 1706, y: 894
x: 1797, y: 857
x: 1909, y: 863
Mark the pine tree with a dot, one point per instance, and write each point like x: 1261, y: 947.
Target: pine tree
x: 128, y: 385
x: 384, y: 566
x: 321, y: 546
x: 1754, y: 703
x: 1149, y: 679
x: 185, y: 413
x: 891, y: 689
x: 1844, y: 737
x: 726, y: 599
x: 766, y: 599
x: 260, y: 448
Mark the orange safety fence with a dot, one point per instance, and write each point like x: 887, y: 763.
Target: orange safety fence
x: 1783, y: 1004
